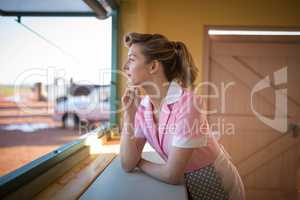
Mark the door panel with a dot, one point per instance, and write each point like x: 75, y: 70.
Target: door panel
x: 267, y: 159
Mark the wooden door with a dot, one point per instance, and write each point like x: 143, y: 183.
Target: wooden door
x: 266, y: 155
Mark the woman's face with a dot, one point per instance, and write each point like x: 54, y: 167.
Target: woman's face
x: 136, y: 68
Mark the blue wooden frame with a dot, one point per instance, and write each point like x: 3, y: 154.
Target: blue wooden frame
x: 47, y: 14
x: 114, y: 67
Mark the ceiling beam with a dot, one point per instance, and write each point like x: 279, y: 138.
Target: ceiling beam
x: 97, y: 8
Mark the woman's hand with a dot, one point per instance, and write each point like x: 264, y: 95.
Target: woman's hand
x: 130, y: 101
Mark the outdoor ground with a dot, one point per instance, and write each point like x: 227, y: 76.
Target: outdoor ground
x: 19, y: 147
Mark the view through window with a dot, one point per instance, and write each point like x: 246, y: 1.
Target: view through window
x: 52, y: 89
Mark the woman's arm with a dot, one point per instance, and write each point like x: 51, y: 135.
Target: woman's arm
x: 130, y: 147
x: 171, y: 172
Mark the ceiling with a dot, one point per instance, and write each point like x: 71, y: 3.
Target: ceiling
x: 99, y: 8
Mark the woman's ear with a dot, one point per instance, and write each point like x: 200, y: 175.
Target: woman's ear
x: 154, y: 67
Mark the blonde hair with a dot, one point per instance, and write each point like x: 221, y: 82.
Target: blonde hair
x: 177, y: 61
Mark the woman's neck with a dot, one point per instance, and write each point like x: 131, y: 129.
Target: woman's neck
x: 157, y: 91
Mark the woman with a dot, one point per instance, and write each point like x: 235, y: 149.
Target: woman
x: 170, y: 118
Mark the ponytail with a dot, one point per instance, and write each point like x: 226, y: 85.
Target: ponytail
x: 185, y: 68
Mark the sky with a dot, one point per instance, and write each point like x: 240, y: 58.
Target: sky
x: 77, y: 47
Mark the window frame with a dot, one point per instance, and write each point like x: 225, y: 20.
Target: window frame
x: 28, y: 172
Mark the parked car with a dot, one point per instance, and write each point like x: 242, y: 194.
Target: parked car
x: 83, y: 109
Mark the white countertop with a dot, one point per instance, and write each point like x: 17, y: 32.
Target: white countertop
x: 115, y: 184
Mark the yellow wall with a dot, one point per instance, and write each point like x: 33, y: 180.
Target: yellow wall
x: 184, y: 20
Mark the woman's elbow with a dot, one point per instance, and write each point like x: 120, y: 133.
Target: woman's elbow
x: 174, y: 180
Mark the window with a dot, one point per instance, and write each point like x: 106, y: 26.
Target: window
x: 52, y: 89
